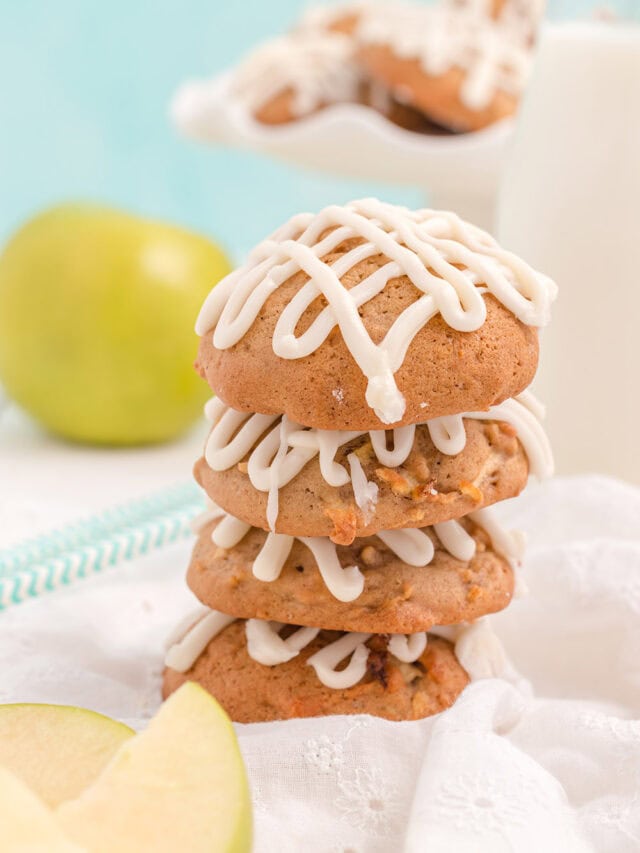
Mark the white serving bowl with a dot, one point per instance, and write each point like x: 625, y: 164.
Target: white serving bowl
x: 458, y: 172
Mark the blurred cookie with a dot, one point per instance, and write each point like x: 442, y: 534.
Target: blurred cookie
x: 384, y: 685
x: 371, y: 315
x: 333, y: 17
x: 454, y: 575
x: 463, y: 71
x: 402, y: 115
x: 289, y: 78
x: 350, y: 484
x: 522, y: 17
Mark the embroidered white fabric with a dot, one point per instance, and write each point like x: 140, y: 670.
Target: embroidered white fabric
x: 500, y: 771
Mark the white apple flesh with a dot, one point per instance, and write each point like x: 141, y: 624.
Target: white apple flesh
x: 57, y: 750
x: 27, y: 825
x: 179, y: 785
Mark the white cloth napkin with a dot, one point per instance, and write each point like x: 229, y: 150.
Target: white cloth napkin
x: 500, y: 771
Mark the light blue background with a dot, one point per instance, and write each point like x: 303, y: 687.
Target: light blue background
x: 83, y: 114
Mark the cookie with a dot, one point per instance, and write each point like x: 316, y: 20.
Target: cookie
x: 289, y: 479
x: 384, y: 594
x: 464, y: 71
x: 290, y: 78
x: 252, y: 692
x: 428, y: 489
x: 482, y: 8
x: 402, y: 115
x: 336, y: 18
x: 396, y: 316
x: 522, y: 17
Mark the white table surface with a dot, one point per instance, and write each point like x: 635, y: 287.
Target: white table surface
x: 39, y: 469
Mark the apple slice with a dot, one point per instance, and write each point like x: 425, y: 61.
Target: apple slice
x: 57, y: 750
x: 26, y: 823
x: 180, y: 785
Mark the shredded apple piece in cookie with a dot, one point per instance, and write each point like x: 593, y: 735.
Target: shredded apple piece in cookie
x: 397, y: 479
x: 345, y: 524
x: 470, y: 491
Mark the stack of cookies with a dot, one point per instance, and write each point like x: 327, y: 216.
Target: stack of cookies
x: 452, y: 67
x: 370, y: 366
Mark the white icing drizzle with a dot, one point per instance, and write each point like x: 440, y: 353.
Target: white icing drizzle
x: 279, y: 461
x: 234, y: 438
x: 441, y: 38
x: 403, y: 438
x: 448, y: 434
x: 412, y: 546
x: 183, y: 654
x: 265, y: 645
x: 529, y: 400
x: 427, y: 246
x: 276, y: 457
x: 480, y: 652
x: 203, y: 518
x: 272, y: 557
x: 229, y: 532
x: 509, y: 543
x: 344, y: 584
x: 317, y: 68
x: 408, y: 647
x: 325, y: 661
x: 522, y: 414
x: 456, y: 540
x: 476, y: 646
x: 365, y: 493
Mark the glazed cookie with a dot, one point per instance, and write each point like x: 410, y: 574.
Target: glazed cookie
x: 462, y: 70
x: 482, y: 8
x: 521, y: 16
x: 402, y: 115
x: 370, y: 315
x: 375, y: 681
x: 333, y: 18
x: 345, y: 485
x: 399, y: 582
x: 292, y: 77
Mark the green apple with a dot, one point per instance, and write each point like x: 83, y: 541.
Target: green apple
x: 97, y: 309
x: 27, y: 825
x: 57, y: 750
x: 179, y: 785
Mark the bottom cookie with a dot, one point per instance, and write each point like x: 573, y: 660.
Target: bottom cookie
x: 393, y: 676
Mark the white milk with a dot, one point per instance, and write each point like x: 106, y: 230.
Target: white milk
x: 570, y: 205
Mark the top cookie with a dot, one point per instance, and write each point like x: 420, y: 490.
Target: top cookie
x: 371, y: 315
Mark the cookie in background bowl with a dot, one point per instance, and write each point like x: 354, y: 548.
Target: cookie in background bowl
x: 333, y: 18
x: 381, y: 99
x: 522, y: 16
x: 462, y: 71
x: 292, y: 77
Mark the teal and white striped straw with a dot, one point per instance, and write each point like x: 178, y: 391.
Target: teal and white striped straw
x: 59, y: 558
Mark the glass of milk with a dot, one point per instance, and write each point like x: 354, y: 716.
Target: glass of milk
x: 570, y: 205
